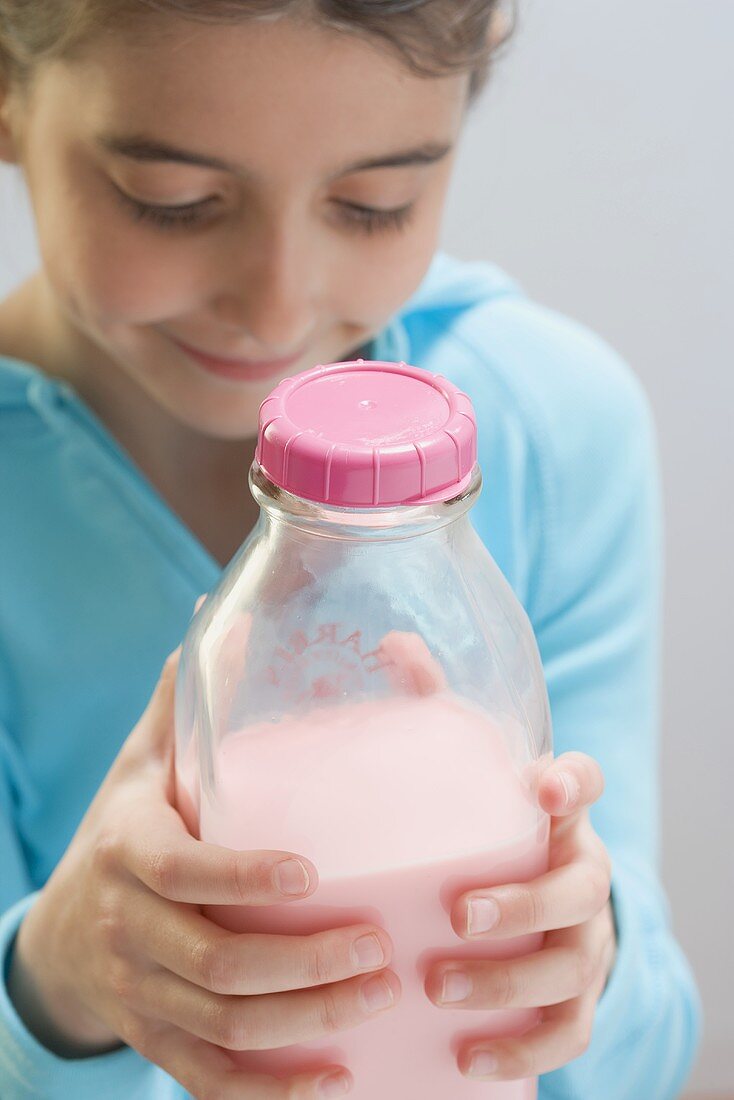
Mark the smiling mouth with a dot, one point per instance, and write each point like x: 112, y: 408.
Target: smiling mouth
x: 247, y: 369
x: 237, y: 360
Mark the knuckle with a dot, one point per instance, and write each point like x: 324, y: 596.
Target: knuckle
x: 245, y: 877
x: 211, y: 964
x: 329, y: 1015
x: 504, y: 988
x: 111, y: 926
x: 598, y: 886
x: 586, y: 967
x: 107, y: 854
x: 533, y: 909
x: 581, y: 1042
x: 123, y: 980
x: 163, y: 870
x: 316, y: 963
x: 604, y: 858
x: 227, y: 1025
x: 580, y: 1035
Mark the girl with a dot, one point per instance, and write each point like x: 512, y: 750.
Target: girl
x: 227, y: 192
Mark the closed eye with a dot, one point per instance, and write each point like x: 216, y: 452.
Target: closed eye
x: 367, y: 218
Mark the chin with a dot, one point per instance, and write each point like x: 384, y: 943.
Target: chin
x: 212, y: 406
x: 227, y: 417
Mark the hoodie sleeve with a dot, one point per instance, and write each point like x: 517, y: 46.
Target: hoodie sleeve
x: 595, y: 608
x: 28, y: 1071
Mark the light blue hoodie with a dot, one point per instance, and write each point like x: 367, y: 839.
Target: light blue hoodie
x: 98, y: 578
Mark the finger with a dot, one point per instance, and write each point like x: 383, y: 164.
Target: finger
x: 565, y: 967
x: 184, y: 941
x: 205, y: 1070
x: 565, y: 896
x: 199, y: 601
x: 412, y: 667
x: 565, y: 1030
x: 563, y: 1035
x: 270, y: 1020
x: 163, y: 855
x: 573, y: 782
x: 529, y: 981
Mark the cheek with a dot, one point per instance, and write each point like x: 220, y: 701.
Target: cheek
x: 382, y: 275
x: 117, y: 276
x: 102, y: 264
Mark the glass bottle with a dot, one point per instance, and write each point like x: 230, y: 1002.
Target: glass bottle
x: 363, y: 688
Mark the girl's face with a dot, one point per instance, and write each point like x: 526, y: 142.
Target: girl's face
x: 311, y: 214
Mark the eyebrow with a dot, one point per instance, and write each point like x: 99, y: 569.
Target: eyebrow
x: 146, y: 149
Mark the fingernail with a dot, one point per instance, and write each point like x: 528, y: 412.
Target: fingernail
x: 482, y: 915
x: 336, y: 1085
x: 376, y: 994
x: 482, y: 1064
x: 367, y: 951
x: 291, y: 877
x: 456, y: 986
x: 570, y: 786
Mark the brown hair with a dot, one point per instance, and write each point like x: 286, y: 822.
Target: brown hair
x: 432, y: 37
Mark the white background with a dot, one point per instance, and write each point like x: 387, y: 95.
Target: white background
x: 598, y: 170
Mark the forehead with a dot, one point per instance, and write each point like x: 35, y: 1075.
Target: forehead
x: 261, y: 88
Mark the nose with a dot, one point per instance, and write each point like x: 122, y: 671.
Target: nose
x: 271, y: 290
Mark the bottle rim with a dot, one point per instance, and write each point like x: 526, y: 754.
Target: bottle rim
x: 340, y: 521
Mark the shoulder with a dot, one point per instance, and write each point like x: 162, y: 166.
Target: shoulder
x: 566, y: 434
x: 540, y: 382
x: 562, y: 379
x: 21, y: 387
x: 15, y: 378
x: 30, y: 403
x: 32, y: 436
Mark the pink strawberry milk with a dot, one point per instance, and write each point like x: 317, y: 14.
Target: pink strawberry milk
x: 363, y: 688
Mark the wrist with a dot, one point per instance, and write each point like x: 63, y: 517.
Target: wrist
x: 50, y: 1012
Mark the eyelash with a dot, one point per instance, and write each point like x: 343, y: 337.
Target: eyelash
x: 365, y: 218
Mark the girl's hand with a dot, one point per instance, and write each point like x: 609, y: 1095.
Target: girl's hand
x: 571, y: 903
x: 116, y: 946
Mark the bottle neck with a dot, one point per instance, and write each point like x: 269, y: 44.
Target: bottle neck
x: 350, y: 524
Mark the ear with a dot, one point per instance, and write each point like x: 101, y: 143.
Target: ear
x: 501, y: 26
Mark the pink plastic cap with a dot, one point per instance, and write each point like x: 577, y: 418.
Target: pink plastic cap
x: 368, y: 434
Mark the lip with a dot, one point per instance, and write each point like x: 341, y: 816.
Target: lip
x: 246, y: 370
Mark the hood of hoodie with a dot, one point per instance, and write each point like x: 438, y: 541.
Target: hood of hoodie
x: 451, y: 285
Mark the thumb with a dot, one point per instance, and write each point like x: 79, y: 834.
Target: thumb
x: 410, y: 665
